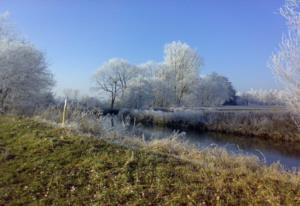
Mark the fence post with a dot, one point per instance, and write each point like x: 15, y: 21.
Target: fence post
x: 64, y: 113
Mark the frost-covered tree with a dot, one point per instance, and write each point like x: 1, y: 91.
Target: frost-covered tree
x: 24, y: 77
x: 148, y: 70
x: 174, y: 82
x: 139, y: 92
x: 163, y: 95
x: 212, y: 90
x: 285, y: 62
x: 139, y: 95
x: 25, y: 81
x: 7, y: 30
x: 108, y: 82
x: 113, y: 78
x: 90, y: 102
x: 123, y: 71
x: 262, y: 97
x: 181, y: 69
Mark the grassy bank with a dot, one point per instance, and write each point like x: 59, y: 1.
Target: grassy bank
x: 43, y: 165
x: 273, y: 125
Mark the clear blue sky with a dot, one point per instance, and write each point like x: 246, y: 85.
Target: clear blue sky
x: 235, y: 37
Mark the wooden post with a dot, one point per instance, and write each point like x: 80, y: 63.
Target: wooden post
x: 64, y: 113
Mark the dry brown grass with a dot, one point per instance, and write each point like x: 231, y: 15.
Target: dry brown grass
x: 53, y: 166
x: 273, y: 125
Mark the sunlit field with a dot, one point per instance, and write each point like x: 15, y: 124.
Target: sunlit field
x: 45, y: 165
x: 149, y: 102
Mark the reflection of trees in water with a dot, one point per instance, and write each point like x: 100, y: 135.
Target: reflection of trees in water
x: 246, y: 143
x: 232, y: 143
x: 266, y: 151
x: 112, y: 121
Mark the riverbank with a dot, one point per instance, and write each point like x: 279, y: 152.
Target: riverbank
x: 269, y: 124
x: 44, y: 165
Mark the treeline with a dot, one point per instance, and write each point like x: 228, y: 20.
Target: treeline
x: 26, y: 83
x: 262, y: 97
x: 174, y: 82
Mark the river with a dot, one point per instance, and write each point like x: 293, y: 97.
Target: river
x: 288, y: 154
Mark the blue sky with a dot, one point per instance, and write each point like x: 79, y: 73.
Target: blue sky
x: 235, y: 37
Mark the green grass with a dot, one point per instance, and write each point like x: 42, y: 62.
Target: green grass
x: 42, y: 165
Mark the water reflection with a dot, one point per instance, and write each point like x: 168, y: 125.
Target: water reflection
x: 268, y: 151
x: 112, y: 122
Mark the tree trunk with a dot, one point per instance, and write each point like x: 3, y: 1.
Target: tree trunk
x: 112, y: 103
x: 113, y: 96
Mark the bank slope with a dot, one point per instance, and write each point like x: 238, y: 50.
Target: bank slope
x: 43, y: 165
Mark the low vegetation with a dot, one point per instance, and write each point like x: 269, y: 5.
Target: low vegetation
x: 87, y: 121
x: 42, y: 163
x: 54, y: 166
x: 269, y: 124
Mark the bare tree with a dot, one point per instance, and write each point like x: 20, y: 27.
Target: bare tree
x: 113, y: 78
x: 124, y: 71
x: 108, y: 81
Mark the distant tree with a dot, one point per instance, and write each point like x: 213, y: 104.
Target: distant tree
x: 90, y: 102
x: 139, y: 92
x: 181, y: 68
x: 286, y: 61
x: 107, y: 82
x: 124, y: 71
x: 113, y: 78
x: 163, y: 93
x: 149, y: 88
x: 148, y: 70
x: 174, y: 82
x: 262, y: 97
x: 139, y: 95
x: 212, y: 90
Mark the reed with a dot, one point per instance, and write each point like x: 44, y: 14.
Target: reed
x: 273, y: 125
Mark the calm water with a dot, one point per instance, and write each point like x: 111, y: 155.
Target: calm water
x: 288, y: 154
